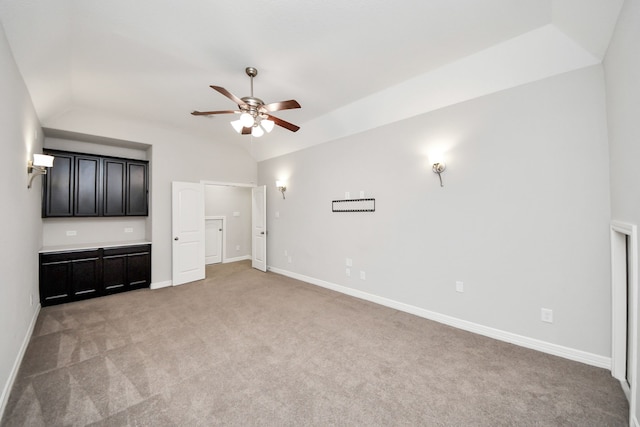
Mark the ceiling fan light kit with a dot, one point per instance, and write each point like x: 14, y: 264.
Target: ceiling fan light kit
x: 255, y: 117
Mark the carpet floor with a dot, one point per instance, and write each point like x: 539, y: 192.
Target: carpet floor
x: 245, y: 348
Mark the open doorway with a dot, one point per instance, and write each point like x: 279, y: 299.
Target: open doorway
x: 228, y: 222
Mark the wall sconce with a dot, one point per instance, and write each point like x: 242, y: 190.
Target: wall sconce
x: 282, y: 187
x: 438, y: 166
x: 38, y: 166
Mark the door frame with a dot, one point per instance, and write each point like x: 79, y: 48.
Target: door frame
x: 223, y: 218
x: 244, y: 185
x: 624, y: 257
x: 262, y: 239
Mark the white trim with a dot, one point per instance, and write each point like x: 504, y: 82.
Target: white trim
x: 16, y: 365
x: 634, y: 422
x: 160, y: 285
x: 228, y: 184
x: 236, y: 259
x: 619, y: 308
x: 532, y: 343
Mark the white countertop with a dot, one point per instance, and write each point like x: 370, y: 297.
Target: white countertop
x: 87, y: 246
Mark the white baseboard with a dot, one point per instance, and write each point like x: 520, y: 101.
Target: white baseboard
x: 532, y: 343
x: 159, y: 285
x: 16, y: 365
x: 238, y: 258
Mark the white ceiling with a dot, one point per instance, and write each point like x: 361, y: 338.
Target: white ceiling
x: 358, y: 62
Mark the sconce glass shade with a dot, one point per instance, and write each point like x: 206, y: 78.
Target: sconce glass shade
x: 267, y: 124
x: 38, y: 166
x: 247, y: 120
x: 257, y: 131
x: 436, y: 157
x: 237, y: 125
x: 43, y: 160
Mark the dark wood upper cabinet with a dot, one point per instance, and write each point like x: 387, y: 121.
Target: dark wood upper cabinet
x: 86, y: 185
x: 114, y: 175
x: 137, y: 188
x: 58, y: 189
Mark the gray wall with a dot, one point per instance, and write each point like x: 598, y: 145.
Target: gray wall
x: 622, y: 69
x: 522, y: 218
x: 20, y: 227
x: 222, y: 200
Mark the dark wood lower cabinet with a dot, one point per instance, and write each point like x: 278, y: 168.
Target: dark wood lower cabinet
x: 126, y: 268
x: 75, y: 275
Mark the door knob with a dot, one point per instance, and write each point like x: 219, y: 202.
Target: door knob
x: 176, y: 238
x: 262, y: 232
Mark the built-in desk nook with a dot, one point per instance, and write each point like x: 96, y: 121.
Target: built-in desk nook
x: 72, y: 273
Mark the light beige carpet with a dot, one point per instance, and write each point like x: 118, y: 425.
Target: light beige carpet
x: 245, y: 348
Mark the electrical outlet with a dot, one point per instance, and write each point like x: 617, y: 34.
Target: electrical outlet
x: 277, y: 214
x: 286, y: 253
x: 236, y: 214
x: 347, y: 195
x: 459, y: 286
x: 348, y: 272
x: 349, y: 262
x: 546, y: 315
x: 290, y: 261
x: 71, y: 233
x: 237, y: 247
x: 128, y: 230
x: 363, y: 276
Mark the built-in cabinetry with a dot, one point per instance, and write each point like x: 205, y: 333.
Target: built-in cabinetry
x: 72, y: 275
x: 85, y: 185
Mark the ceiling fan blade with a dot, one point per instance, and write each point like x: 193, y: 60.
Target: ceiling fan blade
x: 283, y: 123
x: 282, y: 105
x: 207, y: 113
x: 246, y: 131
x: 228, y: 94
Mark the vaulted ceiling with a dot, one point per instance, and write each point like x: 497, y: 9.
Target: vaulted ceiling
x: 352, y: 65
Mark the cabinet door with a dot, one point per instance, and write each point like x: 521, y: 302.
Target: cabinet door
x: 58, y: 187
x: 114, y: 179
x: 114, y: 275
x: 139, y: 270
x: 85, y: 278
x: 55, y: 281
x: 87, y: 186
x: 137, y: 185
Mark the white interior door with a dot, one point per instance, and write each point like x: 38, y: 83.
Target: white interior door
x: 259, y: 228
x: 213, y: 241
x: 188, y: 232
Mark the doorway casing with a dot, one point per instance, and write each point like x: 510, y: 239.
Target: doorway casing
x: 624, y: 310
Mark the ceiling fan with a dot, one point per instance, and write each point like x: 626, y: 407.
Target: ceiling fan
x: 255, y: 117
